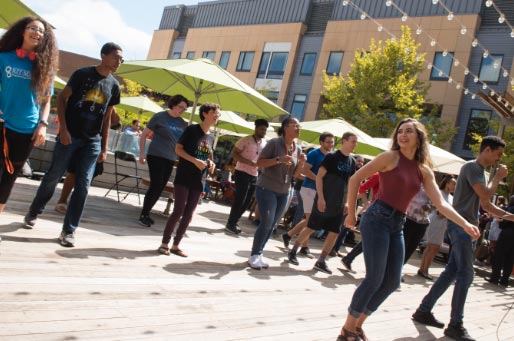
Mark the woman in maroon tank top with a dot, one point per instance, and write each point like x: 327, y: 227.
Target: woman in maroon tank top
x: 402, y: 170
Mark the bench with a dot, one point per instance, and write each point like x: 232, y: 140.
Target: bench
x: 168, y: 189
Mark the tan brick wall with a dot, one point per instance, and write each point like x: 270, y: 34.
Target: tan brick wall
x: 162, y: 41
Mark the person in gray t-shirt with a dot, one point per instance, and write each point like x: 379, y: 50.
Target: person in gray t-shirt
x: 167, y: 127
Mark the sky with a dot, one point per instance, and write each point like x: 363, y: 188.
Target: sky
x: 83, y: 26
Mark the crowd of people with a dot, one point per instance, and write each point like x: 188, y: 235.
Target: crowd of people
x: 405, y: 202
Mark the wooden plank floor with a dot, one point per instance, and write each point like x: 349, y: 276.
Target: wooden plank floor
x: 114, y: 286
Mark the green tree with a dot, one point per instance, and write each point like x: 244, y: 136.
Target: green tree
x: 382, y: 87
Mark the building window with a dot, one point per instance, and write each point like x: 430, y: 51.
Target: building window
x: 273, y: 65
x: 442, y: 66
x: 309, y: 60
x: 209, y: 55
x: 245, y: 61
x: 478, y: 124
x: 225, y: 56
x: 175, y: 55
x: 490, y: 68
x: 190, y: 55
x: 298, y: 106
x: 334, y: 63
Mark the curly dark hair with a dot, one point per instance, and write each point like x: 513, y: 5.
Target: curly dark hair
x: 422, y: 155
x: 47, y: 54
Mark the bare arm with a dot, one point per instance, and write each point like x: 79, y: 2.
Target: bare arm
x: 236, y: 155
x: 322, y: 205
x: 142, y: 144
x: 62, y: 98
x: 179, y: 149
x: 39, y: 135
x: 106, y: 125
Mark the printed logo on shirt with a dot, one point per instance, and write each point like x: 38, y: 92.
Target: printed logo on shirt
x: 17, y: 72
x: 203, y: 151
x: 344, y: 166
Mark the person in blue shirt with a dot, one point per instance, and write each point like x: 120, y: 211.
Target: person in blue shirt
x: 28, y: 60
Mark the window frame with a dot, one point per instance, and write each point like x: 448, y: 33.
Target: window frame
x: 295, y: 101
x: 499, y: 68
x: 437, y: 77
x: 467, y: 134
x: 340, y: 62
x: 224, y: 53
x: 242, y: 61
x: 205, y: 54
x: 315, y: 54
x: 189, y: 53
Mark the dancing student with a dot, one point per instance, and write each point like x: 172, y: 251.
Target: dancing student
x: 402, y: 170
x: 195, y: 151
x: 28, y: 62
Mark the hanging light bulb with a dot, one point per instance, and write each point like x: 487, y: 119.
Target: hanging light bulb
x: 435, y: 2
x: 457, y: 86
x: 456, y: 62
x: 380, y: 28
x: 363, y: 15
x: 484, y: 86
x: 496, y: 65
x: 488, y: 3
x: 473, y: 96
x: 389, y: 3
x: 501, y: 19
x: 404, y: 17
x: 345, y: 2
x: 466, y: 71
x: 500, y: 98
x: 440, y: 73
x: 450, y: 80
x: 418, y: 58
x: 450, y: 16
x: 393, y: 39
x: 474, y: 43
x: 505, y: 73
x: 429, y: 66
x: 492, y: 93
x: 486, y: 54
x: 466, y: 91
x: 406, y: 49
x: 463, y: 30
x: 512, y: 82
x: 432, y: 42
x: 445, y: 53
x: 512, y: 34
x: 418, y: 31
x: 475, y: 79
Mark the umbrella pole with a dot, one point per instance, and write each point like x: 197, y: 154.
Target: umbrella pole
x: 194, y: 109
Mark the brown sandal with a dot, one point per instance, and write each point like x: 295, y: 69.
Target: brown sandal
x: 361, y: 333
x: 348, y: 336
x: 163, y: 251
x: 178, y: 252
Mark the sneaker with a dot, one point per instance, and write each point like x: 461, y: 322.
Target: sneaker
x: 232, y: 229
x: 151, y: 220
x: 30, y: 221
x: 306, y: 252
x: 286, y: 239
x: 291, y: 257
x: 145, y: 221
x: 457, y: 332
x: 67, y: 239
x: 427, y: 318
x: 322, y: 266
x: 347, y: 264
x: 254, y: 263
x: 263, y: 264
x: 492, y: 280
x: 333, y: 253
x: 61, y: 208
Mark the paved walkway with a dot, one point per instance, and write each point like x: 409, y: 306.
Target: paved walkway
x: 114, y: 286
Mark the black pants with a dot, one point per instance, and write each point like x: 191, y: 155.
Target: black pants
x: 20, y: 146
x: 245, y: 188
x: 504, y: 256
x: 412, y: 234
x: 160, y: 172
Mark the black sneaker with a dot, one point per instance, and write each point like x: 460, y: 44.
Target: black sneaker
x: 29, y: 220
x: 232, y: 229
x: 427, y: 318
x: 286, y: 239
x: 291, y: 256
x: 458, y: 332
x: 145, y: 221
x: 322, y: 266
x: 151, y: 220
x: 347, y: 264
x: 306, y: 252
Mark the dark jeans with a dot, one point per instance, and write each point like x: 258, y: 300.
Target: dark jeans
x: 20, y: 146
x: 504, y: 256
x: 343, y: 232
x: 357, y: 250
x: 159, y: 169
x: 412, y: 234
x: 299, y: 213
x: 245, y: 188
x: 186, y: 200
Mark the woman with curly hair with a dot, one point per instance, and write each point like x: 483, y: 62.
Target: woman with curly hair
x: 28, y: 62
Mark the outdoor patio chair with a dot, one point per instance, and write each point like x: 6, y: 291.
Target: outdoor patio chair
x: 128, y: 161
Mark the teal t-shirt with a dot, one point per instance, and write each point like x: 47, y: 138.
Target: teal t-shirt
x: 18, y: 102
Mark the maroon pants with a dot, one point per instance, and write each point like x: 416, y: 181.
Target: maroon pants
x: 186, y: 200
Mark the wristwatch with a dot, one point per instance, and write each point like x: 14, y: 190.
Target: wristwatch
x: 44, y: 122
x: 277, y: 159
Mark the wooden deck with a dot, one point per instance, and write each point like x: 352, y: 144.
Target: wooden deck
x: 114, y: 286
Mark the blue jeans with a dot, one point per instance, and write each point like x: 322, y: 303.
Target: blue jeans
x: 341, y: 237
x: 272, y: 206
x: 458, y: 269
x: 382, y: 243
x: 299, y: 213
x: 84, y: 153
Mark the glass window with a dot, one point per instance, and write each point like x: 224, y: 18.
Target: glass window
x: 442, y: 66
x: 478, y: 124
x: 298, y: 106
x: 209, y: 55
x: 245, y: 61
x: 490, y: 68
x: 334, y: 63
x: 190, y: 55
x: 309, y: 59
x: 263, y: 66
x: 271, y: 95
x: 225, y: 56
x: 175, y: 55
x: 277, y: 65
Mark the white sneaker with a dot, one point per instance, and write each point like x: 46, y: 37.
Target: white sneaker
x: 61, y: 208
x: 254, y: 262
x: 263, y: 264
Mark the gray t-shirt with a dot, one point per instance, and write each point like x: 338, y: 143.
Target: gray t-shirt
x: 166, y: 132
x: 465, y: 200
x: 278, y: 178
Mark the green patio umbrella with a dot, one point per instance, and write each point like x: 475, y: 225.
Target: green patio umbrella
x: 13, y: 10
x: 203, y: 81
x: 367, y: 145
x: 141, y: 105
x: 59, y: 83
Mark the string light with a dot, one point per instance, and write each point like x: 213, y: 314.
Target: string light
x: 432, y: 42
x: 466, y: 71
x: 389, y: 3
x: 418, y: 31
x: 450, y: 16
x: 473, y: 96
x: 493, y: 93
x: 475, y: 80
x: 456, y: 62
x: 505, y: 73
x: 450, y: 80
x: 463, y: 30
x: 345, y: 2
x: 363, y: 16
x: 486, y: 54
x: 501, y: 19
x: 429, y: 66
x: 500, y: 98
x: 484, y: 86
x: 457, y: 86
x: 380, y: 28
x: 404, y: 18
x: 466, y: 91
x: 488, y: 3
x: 434, y: 2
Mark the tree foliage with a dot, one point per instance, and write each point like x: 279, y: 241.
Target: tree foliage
x: 382, y: 87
